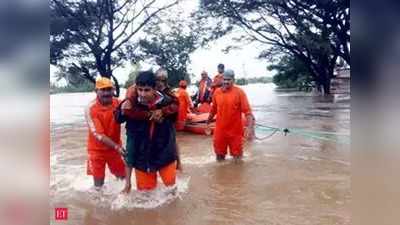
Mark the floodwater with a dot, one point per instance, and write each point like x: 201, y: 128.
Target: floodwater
x: 282, y: 180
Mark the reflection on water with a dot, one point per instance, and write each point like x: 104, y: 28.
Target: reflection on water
x: 282, y: 180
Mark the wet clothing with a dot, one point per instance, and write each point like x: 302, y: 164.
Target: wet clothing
x: 148, y: 180
x: 96, y: 165
x: 222, y: 142
x: 138, y: 113
x: 132, y: 113
x: 185, y: 103
x: 228, y: 105
x: 100, y: 120
x: 151, y: 145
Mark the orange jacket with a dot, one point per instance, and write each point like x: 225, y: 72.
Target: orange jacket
x: 228, y: 106
x: 185, y: 103
x: 100, y: 120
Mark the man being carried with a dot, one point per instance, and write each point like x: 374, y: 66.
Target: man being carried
x: 163, y: 87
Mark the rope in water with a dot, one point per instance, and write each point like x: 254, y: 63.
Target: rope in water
x: 321, y: 135
x: 268, y: 136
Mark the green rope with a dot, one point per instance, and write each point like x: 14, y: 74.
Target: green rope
x: 320, y: 135
x: 268, y: 136
x: 323, y: 137
x: 318, y: 132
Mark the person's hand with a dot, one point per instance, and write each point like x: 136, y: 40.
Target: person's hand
x: 122, y: 151
x: 195, y: 111
x: 249, y: 133
x: 156, y: 115
x: 208, y: 129
x: 126, y: 105
x: 179, y: 165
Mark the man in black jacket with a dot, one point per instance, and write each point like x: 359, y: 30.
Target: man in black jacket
x: 151, y: 141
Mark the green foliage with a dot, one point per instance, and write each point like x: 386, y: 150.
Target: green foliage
x: 85, y: 86
x: 244, y: 81
x: 169, y: 44
x: 315, y: 32
x: 291, y: 73
x: 75, y: 82
x: 94, y: 37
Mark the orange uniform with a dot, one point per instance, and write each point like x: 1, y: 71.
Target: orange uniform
x: 148, y: 180
x: 229, y: 105
x: 185, y: 103
x: 100, y: 120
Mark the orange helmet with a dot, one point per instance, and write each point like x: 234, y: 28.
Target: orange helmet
x: 103, y: 82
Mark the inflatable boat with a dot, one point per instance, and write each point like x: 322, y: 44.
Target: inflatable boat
x: 197, y: 122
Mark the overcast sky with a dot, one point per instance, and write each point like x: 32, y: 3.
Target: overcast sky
x: 244, y: 61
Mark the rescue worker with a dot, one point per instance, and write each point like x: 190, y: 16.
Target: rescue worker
x: 104, y: 141
x: 185, y: 105
x: 218, y: 78
x: 204, y: 93
x: 229, y: 103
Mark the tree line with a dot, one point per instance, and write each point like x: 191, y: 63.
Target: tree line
x: 302, y: 40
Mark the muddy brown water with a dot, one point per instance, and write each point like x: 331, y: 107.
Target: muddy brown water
x: 285, y: 180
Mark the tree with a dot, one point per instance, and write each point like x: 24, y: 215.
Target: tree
x: 291, y: 73
x: 85, y: 86
x: 252, y: 80
x: 316, y: 32
x: 170, y: 42
x: 98, y: 35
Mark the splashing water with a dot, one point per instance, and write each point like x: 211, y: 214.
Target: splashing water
x: 151, y: 199
x: 76, y: 185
